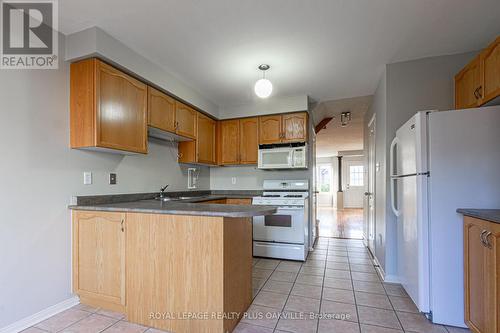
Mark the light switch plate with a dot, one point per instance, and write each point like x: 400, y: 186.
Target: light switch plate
x: 87, y: 178
x: 233, y: 180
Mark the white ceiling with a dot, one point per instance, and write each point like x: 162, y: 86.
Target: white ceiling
x: 336, y: 138
x: 329, y: 49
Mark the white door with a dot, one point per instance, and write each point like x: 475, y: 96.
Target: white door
x: 370, y: 193
x: 353, y: 174
x: 325, y: 185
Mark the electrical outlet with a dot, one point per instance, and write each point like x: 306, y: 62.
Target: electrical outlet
x: 112, y: 179
x: 87, y: 178
x: 233, y: 180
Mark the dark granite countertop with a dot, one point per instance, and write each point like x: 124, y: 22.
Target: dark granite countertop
x: 491, y: 215
x: 145, y: 203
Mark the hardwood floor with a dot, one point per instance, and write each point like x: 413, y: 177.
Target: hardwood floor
x: 342, y: 223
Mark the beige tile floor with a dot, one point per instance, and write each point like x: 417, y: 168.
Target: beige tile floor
x: 335, y: 290
x: 339, y: 286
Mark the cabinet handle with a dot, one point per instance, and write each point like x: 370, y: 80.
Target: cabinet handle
x: 123, y: 229
x: 475, y: 93
x: 482, y: 237
x: 479, y: 91
x: 486, y: 240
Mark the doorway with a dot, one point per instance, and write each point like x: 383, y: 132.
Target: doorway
x: 340, y: 142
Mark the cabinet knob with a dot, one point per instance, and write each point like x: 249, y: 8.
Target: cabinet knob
x: 123, y: 229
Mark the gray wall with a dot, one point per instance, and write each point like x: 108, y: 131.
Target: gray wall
x: 96, y: 42
x: 40, y: 173
x: 405, y: 88
x: 263, y: 106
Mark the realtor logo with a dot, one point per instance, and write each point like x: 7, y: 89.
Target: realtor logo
x: 29, y: 34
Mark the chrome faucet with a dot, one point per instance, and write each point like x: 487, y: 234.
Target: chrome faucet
x: 162, y: 191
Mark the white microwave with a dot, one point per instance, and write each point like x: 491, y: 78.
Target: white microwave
x: 283, y: 156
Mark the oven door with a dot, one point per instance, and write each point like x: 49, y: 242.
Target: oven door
x: 276, y: 158
x: 285, y: 226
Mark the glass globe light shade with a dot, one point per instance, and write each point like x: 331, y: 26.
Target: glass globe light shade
x: 263, y: 88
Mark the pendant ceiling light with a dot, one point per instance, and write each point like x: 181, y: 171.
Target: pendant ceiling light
x: 263, y: 87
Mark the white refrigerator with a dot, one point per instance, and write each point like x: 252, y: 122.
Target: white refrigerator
x: 441, y: 161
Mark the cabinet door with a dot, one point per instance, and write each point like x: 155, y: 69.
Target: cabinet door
x: 270, y: 129
x: 490, y: 72
x: 480, y: 275
x: 161, y: 110
x: 99, y: 258
x: 467, y: 85
x: 185, y: 120
x: 295, y: 127
x: 249, y: 140
x: 121, y: 121
x: 229, y: 141
x: 205, y: 140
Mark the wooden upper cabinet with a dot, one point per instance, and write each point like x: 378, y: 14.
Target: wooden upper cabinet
x: 290, y: 127
x: 481, y: 278
x: 295, y: 127
x: 229, y: 141
x: 249, y: 140
x: 185, y: 120
x: 99, y: 258
x: 467, y: 83
x: 490, y: 72
x: 479, y: 81
x: 108, y: 108
x: 270, y: 129
x: 202, y: 150
x: 205, y: 140
x: 161, y: 110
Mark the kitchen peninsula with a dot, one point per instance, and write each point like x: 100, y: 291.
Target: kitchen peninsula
x: 179, y: 265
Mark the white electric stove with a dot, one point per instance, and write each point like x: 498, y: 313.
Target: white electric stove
x: 283, y: 235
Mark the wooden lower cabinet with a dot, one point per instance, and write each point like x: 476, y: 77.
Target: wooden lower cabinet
x: 99, y: 259
x: 245, y: 201
x: 160, y: 270
x: 482, y: 275
x: 195, y: 265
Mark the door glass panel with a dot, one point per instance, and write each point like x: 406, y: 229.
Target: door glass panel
x: 284, y: 221
x: 356, y: 175
x: 325, y: 178
x: 275, y: 158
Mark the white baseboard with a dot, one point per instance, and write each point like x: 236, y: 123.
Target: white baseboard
x: 391, y: 279
x: 34, y: 319
x: 387, y: 278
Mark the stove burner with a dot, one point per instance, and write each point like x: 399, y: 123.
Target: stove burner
x: 271, y: 196
x: 293, y: 196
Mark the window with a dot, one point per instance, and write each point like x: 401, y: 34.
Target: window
x: 325, y: 178
x: 356, y: 175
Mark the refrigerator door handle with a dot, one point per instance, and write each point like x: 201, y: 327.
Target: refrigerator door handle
x: 393, y: 197
x: 392, y: 162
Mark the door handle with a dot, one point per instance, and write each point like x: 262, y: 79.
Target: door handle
x: 367, y: 193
